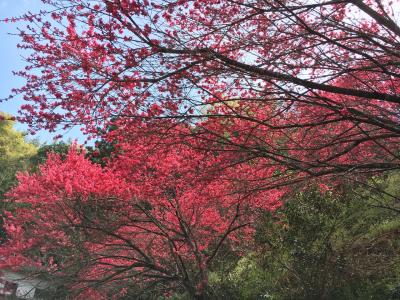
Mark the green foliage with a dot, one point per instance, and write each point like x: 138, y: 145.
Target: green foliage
x: 43, y: 151
x: 15, y: 153
x: 333, y: 245
x: 103, y: 149
x: 101, y: 152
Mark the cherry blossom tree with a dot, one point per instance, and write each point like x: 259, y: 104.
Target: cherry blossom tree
x: 149, y: 220
x: 322, y: 75
x: 216, y: 107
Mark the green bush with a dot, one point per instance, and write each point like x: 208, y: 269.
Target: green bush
x: 323, y: 245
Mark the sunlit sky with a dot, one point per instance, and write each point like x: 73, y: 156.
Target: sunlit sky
x: 11, y: 59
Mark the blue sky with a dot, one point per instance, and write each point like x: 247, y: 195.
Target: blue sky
x: 11, y: 59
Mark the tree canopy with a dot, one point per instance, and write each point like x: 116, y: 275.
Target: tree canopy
x: 15, y: 152
x: 279, y: 73
x: 208, y: 115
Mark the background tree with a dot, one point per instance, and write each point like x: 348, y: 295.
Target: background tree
x: 44, y: 150
x: 15, y: 155
x: 332, y: 244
